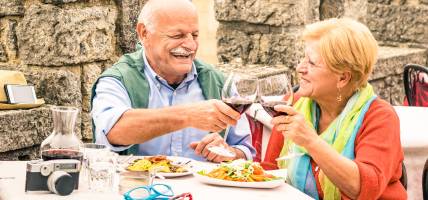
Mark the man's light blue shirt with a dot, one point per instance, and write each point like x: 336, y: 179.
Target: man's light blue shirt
x: 112, y: 100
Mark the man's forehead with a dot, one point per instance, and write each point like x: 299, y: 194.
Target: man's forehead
x: 169, y: 23
x: 173, y: 8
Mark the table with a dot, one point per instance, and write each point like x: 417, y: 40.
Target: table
x: 414, y: 140
x: 14, y: 188
x: 413, y: 126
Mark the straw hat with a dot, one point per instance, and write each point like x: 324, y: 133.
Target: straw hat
x: 14, y: 77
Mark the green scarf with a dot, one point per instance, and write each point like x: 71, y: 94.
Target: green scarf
x: 340, y: 134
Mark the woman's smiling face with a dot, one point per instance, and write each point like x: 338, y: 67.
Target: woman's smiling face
x: 316, y: 80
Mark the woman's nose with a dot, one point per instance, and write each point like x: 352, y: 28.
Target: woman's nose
x: 301, y: 68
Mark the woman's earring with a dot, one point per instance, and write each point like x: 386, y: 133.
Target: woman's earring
x: 339, y: 95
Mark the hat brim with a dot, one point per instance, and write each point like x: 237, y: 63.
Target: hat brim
x: 5, y: 106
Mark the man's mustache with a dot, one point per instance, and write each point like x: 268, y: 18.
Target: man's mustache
x: 182, y: 50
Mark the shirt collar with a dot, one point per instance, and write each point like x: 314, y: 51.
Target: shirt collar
x: 190, y: 76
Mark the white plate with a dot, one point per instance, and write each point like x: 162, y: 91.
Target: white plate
x: 182, y: 160
x: 175, y: 160
x: 262, y: 184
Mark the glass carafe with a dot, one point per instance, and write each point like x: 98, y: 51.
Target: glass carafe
x: 63, y: 142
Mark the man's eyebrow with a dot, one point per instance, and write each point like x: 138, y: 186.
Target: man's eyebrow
x: 179, y: 31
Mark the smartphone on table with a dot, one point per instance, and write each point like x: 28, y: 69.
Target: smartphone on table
x: 23, y: 94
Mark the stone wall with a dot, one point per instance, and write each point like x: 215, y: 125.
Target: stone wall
x: 267, y: 33
x: 61, y: 46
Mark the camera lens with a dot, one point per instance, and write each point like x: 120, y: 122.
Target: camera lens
x: 61, y: 183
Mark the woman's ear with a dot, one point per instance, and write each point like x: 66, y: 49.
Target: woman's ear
x: 344, y: 79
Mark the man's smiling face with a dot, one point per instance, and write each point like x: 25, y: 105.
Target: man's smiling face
x: 171, y: 47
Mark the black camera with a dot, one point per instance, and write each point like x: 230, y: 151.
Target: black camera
x: 59, y: 176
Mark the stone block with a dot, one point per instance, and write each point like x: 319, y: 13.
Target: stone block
x: 57, y: 87
x: 3, y: 55
x: 381, y: 89
x: 397, y: 93
x: 392, y: 60
x: 11, y: 7
x: 29, y: 153
x: 331, y: 8
x: 24, y: 128
x: 250, y: 44
x: 62, y: 1
x: 90, y: 74
x: 11, y: 43
x: 386, y: 2
x: 86, y: 126
x: 66, y: 36
x: 387, y: 76
x: 390, y: 89
x: 393, y: 25
x: 356, y: 9
x: 259, y: 71
x: 274, y: 13
x: 128, y: 17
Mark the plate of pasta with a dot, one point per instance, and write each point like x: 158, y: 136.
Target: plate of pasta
x: 167, y: 166
x: 239, y: 173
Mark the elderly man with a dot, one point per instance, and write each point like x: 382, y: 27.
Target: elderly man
x: 160, y: 99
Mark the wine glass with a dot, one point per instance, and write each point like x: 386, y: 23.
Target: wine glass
x: 277, y: 90
x: 239, y: 92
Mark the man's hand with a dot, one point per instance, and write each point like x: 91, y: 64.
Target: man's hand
x: 212, y: 115
x: 214, y: 139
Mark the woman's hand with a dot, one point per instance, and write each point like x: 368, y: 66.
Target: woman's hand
x: 294, y: 126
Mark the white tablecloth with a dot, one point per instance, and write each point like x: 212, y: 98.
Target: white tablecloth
x: 413, y: 126
x: 14, y: 188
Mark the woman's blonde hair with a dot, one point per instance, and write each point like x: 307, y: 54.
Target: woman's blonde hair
x: 345, y: 45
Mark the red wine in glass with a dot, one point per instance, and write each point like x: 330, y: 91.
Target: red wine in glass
x: 53, y: 154
x: 269, y: 107
x: 238, y: 104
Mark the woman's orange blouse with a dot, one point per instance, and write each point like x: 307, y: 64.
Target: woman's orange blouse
x: 378, y: 153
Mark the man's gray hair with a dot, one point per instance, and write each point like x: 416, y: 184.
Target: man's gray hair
x: 146, y: 17
x: 147, y: 14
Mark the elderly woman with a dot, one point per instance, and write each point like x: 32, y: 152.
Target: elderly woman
x: 350, y: 137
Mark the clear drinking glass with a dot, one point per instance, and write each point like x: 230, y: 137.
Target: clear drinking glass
x: 91, y: 150
x: 277, y: 90
x: 239, y: 92
x: 102, y: 171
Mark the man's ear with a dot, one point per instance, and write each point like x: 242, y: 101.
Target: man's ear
x: 141, y: 31
x: 344, y: 79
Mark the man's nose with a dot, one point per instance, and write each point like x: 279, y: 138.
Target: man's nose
x: 190, y: 42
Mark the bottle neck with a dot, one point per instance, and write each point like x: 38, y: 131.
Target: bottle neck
x: 64, y: 122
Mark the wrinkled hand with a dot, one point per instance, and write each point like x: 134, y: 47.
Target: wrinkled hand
x: 294, y: 126
x: 212, y: 115
x: 213, y: 139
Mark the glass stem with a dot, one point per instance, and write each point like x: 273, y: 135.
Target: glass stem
x: 226, y: 133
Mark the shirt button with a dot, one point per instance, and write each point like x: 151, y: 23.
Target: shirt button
x: 174, y: 93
